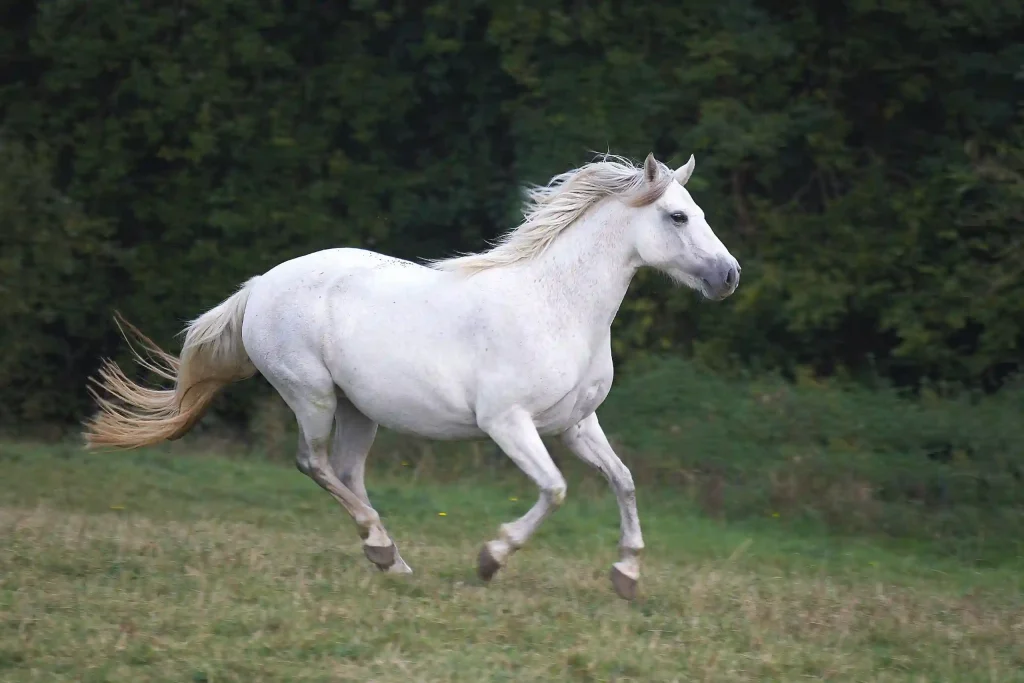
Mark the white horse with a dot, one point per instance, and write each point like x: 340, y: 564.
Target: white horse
x: 512, y: 343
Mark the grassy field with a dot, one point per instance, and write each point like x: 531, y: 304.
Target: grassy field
x: 168, y: 566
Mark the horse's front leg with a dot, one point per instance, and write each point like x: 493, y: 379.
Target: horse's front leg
x: 516, y: 435
x: 588, y: 442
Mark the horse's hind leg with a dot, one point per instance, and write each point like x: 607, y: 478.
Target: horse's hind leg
x: 313, y: 401
x: 353, y: 436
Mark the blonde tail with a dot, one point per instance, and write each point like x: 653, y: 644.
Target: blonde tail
x: 211, y: 357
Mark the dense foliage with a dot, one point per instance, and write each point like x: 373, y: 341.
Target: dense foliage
x: 864, y: 160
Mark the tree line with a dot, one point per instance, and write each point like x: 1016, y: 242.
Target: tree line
x: 863, y: 159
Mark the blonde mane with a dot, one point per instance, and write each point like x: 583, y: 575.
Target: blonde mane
x: 551, y: 209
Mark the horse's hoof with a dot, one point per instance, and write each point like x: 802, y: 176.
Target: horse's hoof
x: 487, y: 566
x: 624, y: 585
x: 382, y: 556
x: 399, y: 567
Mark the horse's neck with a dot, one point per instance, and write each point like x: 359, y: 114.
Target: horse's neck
x: 589, y: 267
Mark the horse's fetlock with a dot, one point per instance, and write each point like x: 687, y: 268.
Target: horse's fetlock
x: 368, y: 521
x: 632, y: 548
x: 377, y: 537
x: 556, y: 494
x: 508, y: 534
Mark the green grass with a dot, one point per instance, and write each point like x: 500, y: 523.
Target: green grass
x: 167, y: 566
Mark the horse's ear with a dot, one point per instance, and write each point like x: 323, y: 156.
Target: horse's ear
x: 650, y: 168
x: 683, y: 173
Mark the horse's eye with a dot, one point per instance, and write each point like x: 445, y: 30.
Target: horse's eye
x: 678, y: 217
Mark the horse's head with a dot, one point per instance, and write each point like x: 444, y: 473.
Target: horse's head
x: 672, y: 235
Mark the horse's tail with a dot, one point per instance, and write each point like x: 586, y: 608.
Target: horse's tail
x: 211, y: 357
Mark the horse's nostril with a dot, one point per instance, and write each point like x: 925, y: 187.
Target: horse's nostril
x: 730, y: 277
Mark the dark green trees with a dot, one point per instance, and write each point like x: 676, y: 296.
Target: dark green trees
x: 864, y: 160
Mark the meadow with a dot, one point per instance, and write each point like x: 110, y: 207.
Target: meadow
x: 201, y: 562
x: 863, y: 160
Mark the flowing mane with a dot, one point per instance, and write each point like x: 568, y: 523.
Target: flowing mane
x: 551, y: 208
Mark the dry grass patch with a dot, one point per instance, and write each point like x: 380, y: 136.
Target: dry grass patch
x: 115, y: 597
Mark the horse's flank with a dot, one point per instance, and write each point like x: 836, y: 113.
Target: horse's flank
x: 550, y: 209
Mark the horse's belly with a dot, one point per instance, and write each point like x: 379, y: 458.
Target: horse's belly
x: 413, y: 388
x: 400, y: 412
x: 423, y: 393
x: 405, y: 398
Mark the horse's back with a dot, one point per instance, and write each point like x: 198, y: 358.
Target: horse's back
x: 318, y: 265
